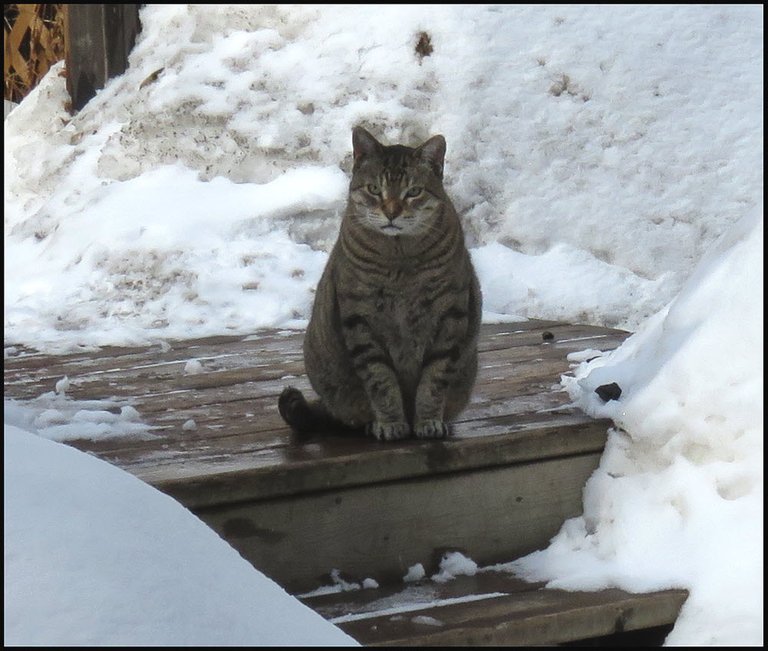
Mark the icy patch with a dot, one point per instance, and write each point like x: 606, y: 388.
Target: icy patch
x: 584, y: 355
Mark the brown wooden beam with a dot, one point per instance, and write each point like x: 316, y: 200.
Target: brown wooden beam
x: 99, y: 40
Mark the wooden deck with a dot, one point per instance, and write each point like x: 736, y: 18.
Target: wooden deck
x: 494, y: 608
x: 499, y: 488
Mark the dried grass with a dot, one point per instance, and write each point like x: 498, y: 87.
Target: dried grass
x: 33, y: 39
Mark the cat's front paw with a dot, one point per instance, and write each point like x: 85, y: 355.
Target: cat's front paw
x: 431, y: 429
x: 388, y: 431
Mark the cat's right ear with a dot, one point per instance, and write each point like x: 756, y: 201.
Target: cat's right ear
x: 433, y: 151
x: 363, y: 144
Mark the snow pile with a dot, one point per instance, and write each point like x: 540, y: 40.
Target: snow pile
x: 193, y: 367
x: 594, y: 152
x: 678, y: 498
x: 55, y: 416
x: 454, y: 564
x: 93, y: 556
x: 340, y: 584
x: 415, y: 573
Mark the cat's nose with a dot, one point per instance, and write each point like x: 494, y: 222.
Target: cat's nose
x: 392, y: 208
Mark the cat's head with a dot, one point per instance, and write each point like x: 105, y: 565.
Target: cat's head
x: 396, y: 190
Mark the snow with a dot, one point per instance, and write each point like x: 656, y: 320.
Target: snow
x: 415, y: 572
x: 454, y: 564
x: 206, y: 201
x: 340, y: 584
x: 193, y: 367
x: 93, y: 556
x: 426, y: 620
x: 410, y: 600
x: 56, y: 416
x: 595, y: 155
x: 678, y: 498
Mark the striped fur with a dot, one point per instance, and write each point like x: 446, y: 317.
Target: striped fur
x: 392, y: 343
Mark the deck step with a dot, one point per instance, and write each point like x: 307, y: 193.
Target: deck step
x: 500, y: 487
x: 491, y: 608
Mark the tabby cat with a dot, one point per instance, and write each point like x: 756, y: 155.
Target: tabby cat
x: 392, y: 342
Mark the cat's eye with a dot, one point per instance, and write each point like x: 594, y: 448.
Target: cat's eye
x: 415, y: 191
x: 373, y: 188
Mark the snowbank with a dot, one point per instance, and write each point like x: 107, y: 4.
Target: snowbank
x: 94, y: 556
x: 594, y: 153
x: 678, y: 498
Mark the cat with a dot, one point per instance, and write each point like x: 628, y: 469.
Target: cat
x: 391, y: 346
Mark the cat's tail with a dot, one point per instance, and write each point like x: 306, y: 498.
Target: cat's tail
x: 306, y: 418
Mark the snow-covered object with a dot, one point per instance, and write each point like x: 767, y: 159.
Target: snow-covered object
x: 678, y: 498
x: 94, y: 556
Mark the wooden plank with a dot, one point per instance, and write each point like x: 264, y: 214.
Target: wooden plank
x: 493, y: 337
x: 99, y: 39
x: 379, y: 530
x: 24, y: 21
x: 492, y: 608
x: 222, y: 478
x: 161, y: 386
x: 121, y: 26
x: 252, y: 406
x: 159, y: 390
x: 499, y: 487
x: 85, y: 52
x: 151, y: 373
x: 153, y: 362
x: 233, y: 409
x: 241, y: 449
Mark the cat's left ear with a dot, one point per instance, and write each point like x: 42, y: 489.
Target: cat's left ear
x: 433, y: 152
x: 364, y: 144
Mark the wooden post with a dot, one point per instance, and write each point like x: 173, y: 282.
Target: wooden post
x: 99, y: 39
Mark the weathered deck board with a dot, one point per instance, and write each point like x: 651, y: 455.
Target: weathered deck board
x: 240, y: 441
x: 500, y: 486
x: 260, y: 351
x: 379, y: 530
x: 491, y: 608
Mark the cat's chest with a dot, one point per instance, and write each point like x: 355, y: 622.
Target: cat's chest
x: 403, y: 319
x: 398, y: 306
x: 404, y: 308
